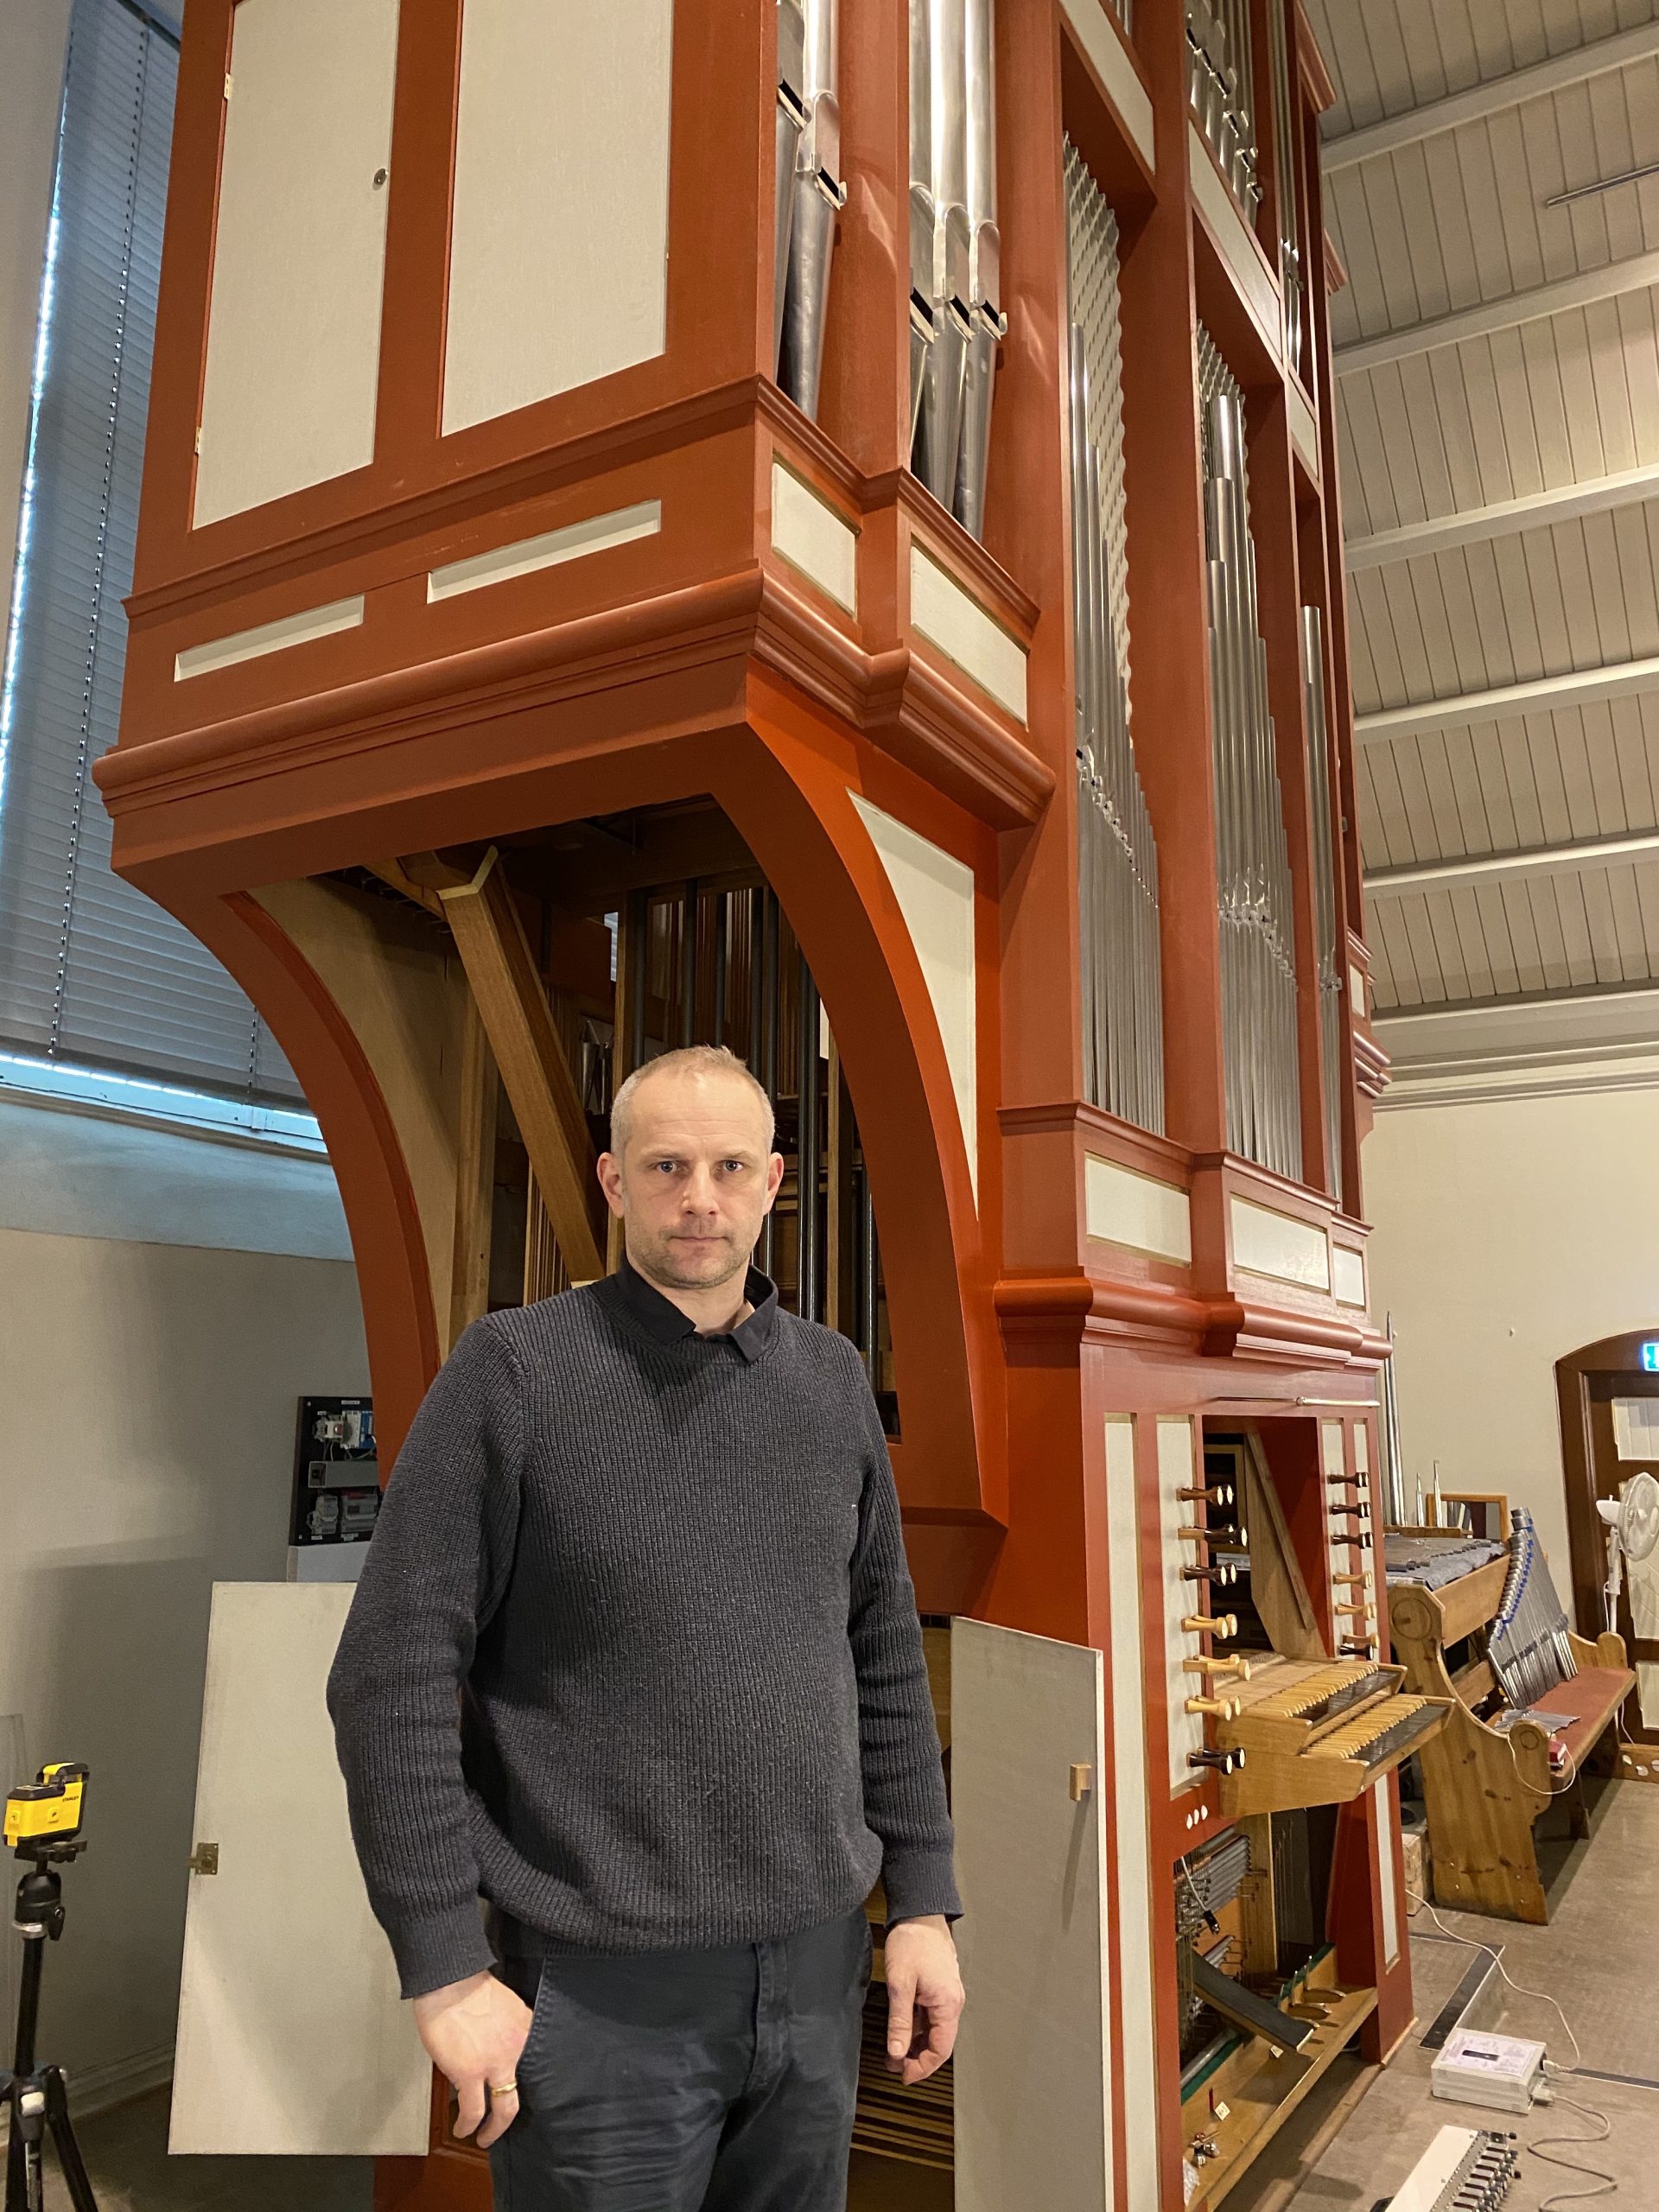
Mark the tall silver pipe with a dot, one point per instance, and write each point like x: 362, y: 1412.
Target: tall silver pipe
x: 953, y: 336
x: 791, y: 123
x: 1220, y: 70
x: 1255, y: 913
x: 921, y: 322
x: 1325, y: 889
x: 1117, y: 863
x: 1284, y: 168
x: 818, y: 198
x: 986, y: 322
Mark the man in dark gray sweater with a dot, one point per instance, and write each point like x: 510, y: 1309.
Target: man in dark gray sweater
x: 648, y: 1530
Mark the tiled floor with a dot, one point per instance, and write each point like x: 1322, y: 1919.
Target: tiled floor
x: 1346, y: 2151
x: 1598, y: 1957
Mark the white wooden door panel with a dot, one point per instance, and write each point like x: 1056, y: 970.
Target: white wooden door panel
x: 292, y: 2037
x: 1034, y: 2063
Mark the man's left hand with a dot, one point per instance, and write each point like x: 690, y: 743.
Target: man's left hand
x: 924, y: 1996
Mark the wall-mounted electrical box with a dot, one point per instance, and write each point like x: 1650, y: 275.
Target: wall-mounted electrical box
x: 336, y: 1490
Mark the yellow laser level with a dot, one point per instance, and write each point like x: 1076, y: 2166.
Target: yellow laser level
x: 48, y: 1811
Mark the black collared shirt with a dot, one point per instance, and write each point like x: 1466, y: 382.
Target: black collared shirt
x: 662, y: 1319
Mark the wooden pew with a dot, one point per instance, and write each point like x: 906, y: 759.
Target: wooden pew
x: 1484, y: 1789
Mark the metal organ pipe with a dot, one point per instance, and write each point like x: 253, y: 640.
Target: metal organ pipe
x: 1284, y: 165
x: 1258, y: 966
x: 790, y: 123
x: 1117, y: 856
x: 955, y: 278
x: 1220, y: 67
x: 1325, y: 888
x: 809, y: 197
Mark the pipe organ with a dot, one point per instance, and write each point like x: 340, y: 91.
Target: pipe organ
x: 1117, y: 854
x: 1258, y: 958
x: 833, y: 549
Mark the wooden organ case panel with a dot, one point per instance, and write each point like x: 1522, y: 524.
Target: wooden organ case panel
x: 710, y: 582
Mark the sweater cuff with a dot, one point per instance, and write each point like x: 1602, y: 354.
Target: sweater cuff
x: 918, y: 1882
x: 444, y: 1947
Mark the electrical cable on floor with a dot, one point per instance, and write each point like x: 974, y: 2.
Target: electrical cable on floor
x: 1605, y: 2183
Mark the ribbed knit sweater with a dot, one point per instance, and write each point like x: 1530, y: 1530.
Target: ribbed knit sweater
x: 669, y: 1581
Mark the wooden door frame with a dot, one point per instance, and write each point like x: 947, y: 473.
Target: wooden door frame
x: 1619, y: 1355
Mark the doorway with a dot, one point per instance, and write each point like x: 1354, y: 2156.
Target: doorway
x: 1609, y: 1431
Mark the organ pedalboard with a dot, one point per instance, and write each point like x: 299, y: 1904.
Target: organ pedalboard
x: 1464, y: 2169
x: 1318, y: 1731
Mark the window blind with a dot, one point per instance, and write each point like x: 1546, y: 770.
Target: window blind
x: 92, y: 971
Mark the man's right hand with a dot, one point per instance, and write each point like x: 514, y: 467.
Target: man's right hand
x: 475, y: 2032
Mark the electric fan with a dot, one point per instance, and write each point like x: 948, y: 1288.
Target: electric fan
x: 1632, y: 1521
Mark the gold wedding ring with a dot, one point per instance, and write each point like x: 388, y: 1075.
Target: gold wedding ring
x: 504, y: 2089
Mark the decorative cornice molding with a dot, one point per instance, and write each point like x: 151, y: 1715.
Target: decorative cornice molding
x: 899, y: 700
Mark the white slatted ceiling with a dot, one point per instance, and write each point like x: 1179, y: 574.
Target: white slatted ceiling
x: 1455, y: 220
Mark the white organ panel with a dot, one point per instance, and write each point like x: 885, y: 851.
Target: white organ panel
x: 294, y: 324
x: 1034, y: 2112
x: 1136, y: 1974
x: 558, y: 248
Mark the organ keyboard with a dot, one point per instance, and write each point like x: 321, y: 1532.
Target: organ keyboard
x: 1317, y: 1731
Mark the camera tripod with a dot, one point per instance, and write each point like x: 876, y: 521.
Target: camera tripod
x: 35, y: 2096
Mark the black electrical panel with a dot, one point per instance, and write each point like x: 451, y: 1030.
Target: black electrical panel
x: 336, y: 1473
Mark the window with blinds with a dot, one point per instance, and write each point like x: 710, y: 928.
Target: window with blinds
x: 92, y: 972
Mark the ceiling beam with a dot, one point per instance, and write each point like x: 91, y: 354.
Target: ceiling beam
x: 1490, y: 98
x: 1579, y: 687
x: 1639, y: 994
x: 1414, y: 541
x: 1582, y: 290
x: 1468, y: 871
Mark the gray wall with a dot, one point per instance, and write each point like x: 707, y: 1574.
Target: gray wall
x: 146, y: 1443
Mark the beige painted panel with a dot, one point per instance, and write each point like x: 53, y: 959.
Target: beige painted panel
x: 558, y: 250
x: 527, y: 556
x: 1220, y: 211
x: 1387, y: 1891
x: 936, y: 896
x: 1267, y: 1242
x: 1033, y: 2063
x: 276, y: 636
x: 292, y: 2038
x: 1120, y: 1207
x: 1127, y: 92
x: 294, y: 327
x: 955, y: 622
x: 1132, y: 1967
x: 1348, y: 1275
x: 402, y: 989
x: 1303, y: 430
x: 1177, y: 1471
x: 810, y: 534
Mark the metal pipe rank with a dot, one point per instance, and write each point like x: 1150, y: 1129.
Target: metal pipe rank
x: 1220, y: 69
x: 957, y: 321
x: 1117, y: 855
x: 1284, y: 165
x: 810, y: 192
x: 1257, y: 924
x: 1325, y: 888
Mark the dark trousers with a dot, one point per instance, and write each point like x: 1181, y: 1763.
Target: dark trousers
x: 708, y: 2081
